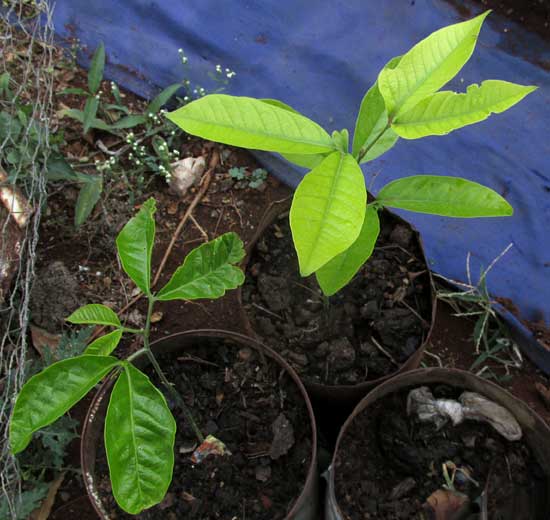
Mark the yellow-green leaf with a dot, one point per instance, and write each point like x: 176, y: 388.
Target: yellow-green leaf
x: 251, y: 123
x: 338, y: 272
x: 94, y: 314
x: 428, y: 65
x: 442, y: 112
x: 445, y: 196
x: 327, y: 211
x: 104, y: 345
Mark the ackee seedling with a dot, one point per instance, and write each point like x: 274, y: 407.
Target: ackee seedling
x: 334, y: 229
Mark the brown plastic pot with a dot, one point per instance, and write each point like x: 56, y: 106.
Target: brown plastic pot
x: 536, y: 432
x: 337, y: 396
x: 306, y: 505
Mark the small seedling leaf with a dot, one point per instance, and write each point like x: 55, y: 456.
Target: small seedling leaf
x: 338, y: 272
x: 130, y: 121
x: 49, y: 394
x: 372, y: 122
x: 251, y: 123
x: 89, y: 194
x: 89, y: 114
x: 139, y: 440
x: 94, y: 314
x: 428, y: 65
x: 95, y: 74
x: 445, y: 196
x: 208, y: 271
x: 135, y: 245
x: 444, y: 112
x: 104, y: 345
x: 163, y: 98
x: 327, y: 211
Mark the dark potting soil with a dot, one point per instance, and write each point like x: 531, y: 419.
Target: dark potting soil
x: 370, y: 328
x: 389, y: 464
x: 248, y: 402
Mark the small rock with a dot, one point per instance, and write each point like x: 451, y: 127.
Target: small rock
x: 369, y: 311
x: 283, y: 437
x: 156, y: 317
x: 185, y: 173
x: 322, y: 350
x: 299, y: 359
x: 245, y: 353
x: 226, y: 185
x: 342, y: 354
x: 263, y: 473
x: 211, y: 427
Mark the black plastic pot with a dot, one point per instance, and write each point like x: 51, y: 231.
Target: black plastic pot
x: 306, y: 505
x: 536, y: 432
x: 341, y: 397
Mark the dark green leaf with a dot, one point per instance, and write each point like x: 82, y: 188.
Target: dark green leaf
x: 49, y: 394
x: 135, y: 246
x: 78, y: 115
x: 94, y: 314
x: 75, y: 91
x: 129, y: 122
x: 139, y: 441
x: 208, y: 271
x: 58, y: 169
x: 88, y: 196
x: 95, y: 74
x: 163, y: 98
x: 90, y: 111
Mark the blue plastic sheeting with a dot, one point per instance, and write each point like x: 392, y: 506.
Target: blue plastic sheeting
x: 321, y: 57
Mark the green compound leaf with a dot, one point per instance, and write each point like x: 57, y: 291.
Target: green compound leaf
x: 139, y: 441
x: 95, y: 74
x: 207, y: 271
x: 94, y: 314
x: 428, y: 65
x: 135, y: 245
x: 445, y: 196
x: 338, y: 272
x: 104, y: 345
x: 444, y: 112
x: 371, y: 123
x: 327, y: 211
x: 251, y: 123
x: 49, y: 394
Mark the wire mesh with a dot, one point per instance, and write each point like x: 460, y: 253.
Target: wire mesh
x: 26, y: 76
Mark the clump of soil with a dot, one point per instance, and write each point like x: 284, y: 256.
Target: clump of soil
x: 369, y: 329
x: 55, y: 295
x: 248, y: 402
x: 389, y: 464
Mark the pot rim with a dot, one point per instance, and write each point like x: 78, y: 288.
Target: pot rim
x: 411, y: 378
x: 273, y: 211
x: 104, y: 389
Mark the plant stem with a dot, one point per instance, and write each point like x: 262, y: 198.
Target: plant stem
x: 365, y: 149
x: 169, y: 387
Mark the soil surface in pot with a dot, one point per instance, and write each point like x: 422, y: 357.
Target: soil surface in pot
x: 390, y: 464
x: 368, y: 330
x: 247, y: 401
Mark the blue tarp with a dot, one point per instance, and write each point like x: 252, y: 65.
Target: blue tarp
x: 320, y: 57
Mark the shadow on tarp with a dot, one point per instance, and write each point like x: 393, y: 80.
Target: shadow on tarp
x: 320, y: 57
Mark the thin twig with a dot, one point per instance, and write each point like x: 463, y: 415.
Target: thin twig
x: 199, y: 227
x: 267, y: 311
x: 200, y: 194
x: 384, y: 351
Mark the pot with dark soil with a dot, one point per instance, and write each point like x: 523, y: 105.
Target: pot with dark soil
x: 345, y: 344
x: 440, y: 444
x: 240, y: 392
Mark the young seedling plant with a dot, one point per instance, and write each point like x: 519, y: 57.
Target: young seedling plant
x: 334, y: 230
x: 139, y: 427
